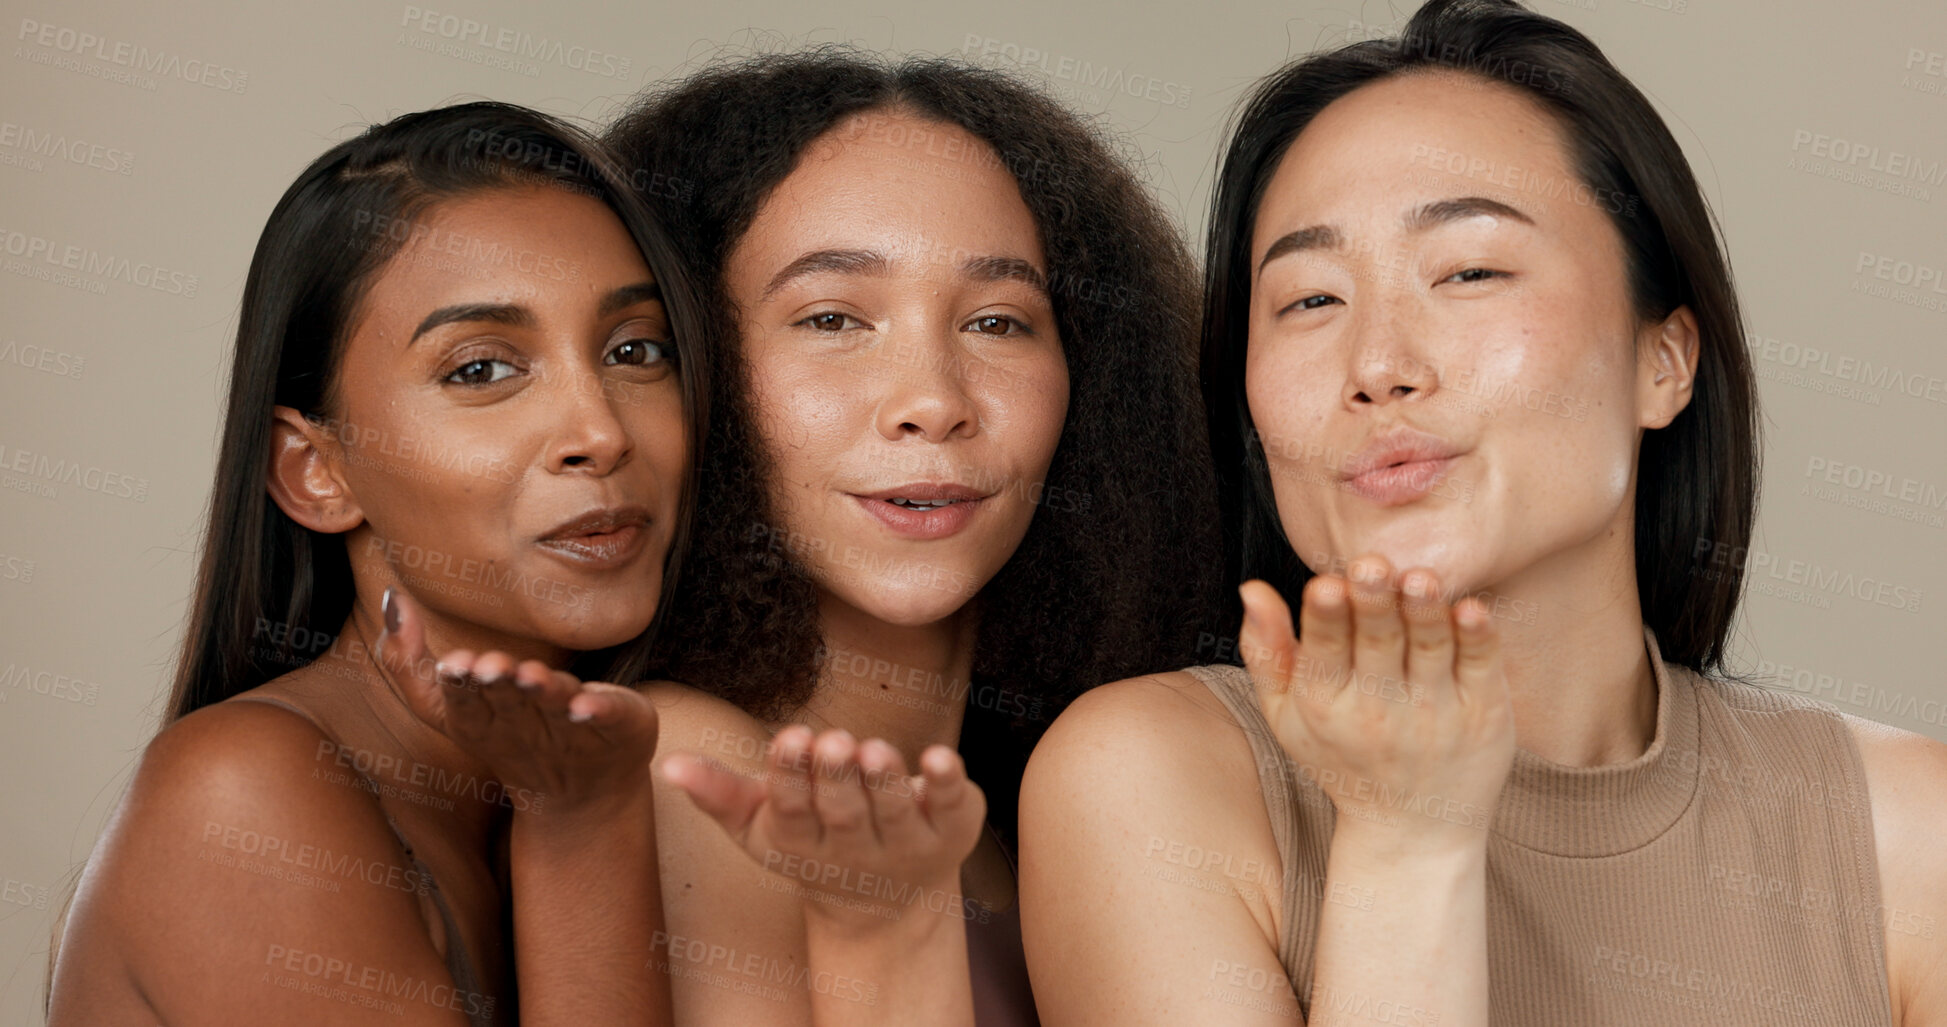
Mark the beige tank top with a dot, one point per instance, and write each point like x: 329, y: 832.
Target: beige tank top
x: 1726, y: 876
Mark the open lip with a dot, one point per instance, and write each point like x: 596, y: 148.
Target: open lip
x: 599, y: 521
x: 1397, y: 445
x: 927, y: 492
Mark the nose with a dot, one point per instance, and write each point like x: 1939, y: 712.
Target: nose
x: 1388, y: 363
x: 588, y: 435
x: 928, y: 395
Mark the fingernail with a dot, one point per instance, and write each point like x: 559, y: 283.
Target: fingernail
x: 390, y: 611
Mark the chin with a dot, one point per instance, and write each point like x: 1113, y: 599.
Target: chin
x: 903, y: 603
x: 595, y: 626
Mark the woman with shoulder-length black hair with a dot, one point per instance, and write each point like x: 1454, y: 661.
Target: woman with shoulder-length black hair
x: 459, y: 424
x: 957, y: 476
x: 1478, y: 394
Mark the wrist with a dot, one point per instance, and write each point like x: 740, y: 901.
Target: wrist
x: 1407, y: 843
x: 908, y: 914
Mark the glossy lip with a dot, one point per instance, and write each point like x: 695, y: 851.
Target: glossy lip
x: 923, y: 525
x: 1399, y: 465
x: 601, y: 539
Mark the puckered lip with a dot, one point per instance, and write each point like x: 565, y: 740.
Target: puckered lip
x: 1399, y: 444
x: 598, y: 521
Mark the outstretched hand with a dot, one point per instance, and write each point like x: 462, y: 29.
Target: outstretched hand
x: 845, y: 819
x: 548, y: 736
x: 1395, y: 702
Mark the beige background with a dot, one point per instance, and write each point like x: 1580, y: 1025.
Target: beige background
x: 176, y: 168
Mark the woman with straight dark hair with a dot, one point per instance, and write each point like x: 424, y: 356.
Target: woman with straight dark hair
x: 957, y: 475
x: 1478, y: 393
x: 457, y: 423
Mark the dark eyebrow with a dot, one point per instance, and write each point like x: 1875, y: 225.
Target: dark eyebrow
x: 844, y: 262
x: 1427, y: 216
x: 497, y: 313
x: 1001, y: 269
x: 1316, y: 237
x: 1441, y: 212
x: 628, y: 296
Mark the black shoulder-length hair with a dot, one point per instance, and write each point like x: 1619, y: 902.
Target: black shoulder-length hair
x: 272, y: 594
x: 1116, y: 574
x: 1697, y: 477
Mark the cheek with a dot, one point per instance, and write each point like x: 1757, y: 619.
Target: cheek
x: 444, y: 487
x: 1025, y: 408
x: 806, y: 415
x: 660, y: 431
x: 1288, y: 404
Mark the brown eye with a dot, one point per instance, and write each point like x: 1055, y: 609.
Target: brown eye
x: 829, y: 321
x: 995, y: 324
x: 642, y: 353
x: 481, y: 372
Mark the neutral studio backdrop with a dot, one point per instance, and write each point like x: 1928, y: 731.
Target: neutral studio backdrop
x: 153, y: 139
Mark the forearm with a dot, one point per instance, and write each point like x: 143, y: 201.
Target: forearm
x: 905, y: 971
x: 1402, y: 936
x: 587, y: 908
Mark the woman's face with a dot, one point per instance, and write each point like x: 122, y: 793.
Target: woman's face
x: 1435, y: 289
x: 905, y: 369
x: 512, y: 423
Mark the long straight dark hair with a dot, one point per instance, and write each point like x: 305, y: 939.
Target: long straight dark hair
x: 1697, y: 477
x: 271, y: 593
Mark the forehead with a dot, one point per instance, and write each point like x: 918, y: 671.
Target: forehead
x: 900, y: 184
x: 1387, y: 147
x: 526, y: 244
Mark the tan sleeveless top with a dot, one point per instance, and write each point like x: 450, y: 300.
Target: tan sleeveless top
x: 1726, y: 876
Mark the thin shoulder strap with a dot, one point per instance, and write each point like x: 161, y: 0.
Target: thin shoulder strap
x: 1302, y: 857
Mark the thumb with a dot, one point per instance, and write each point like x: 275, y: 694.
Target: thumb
x: 402, y: 655
x: 1268, y: 645
x: 730, y: 798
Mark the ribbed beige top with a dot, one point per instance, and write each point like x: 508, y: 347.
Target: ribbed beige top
x: 1726, y: 876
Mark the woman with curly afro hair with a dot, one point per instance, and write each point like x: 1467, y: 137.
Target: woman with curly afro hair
x: 955, y: 476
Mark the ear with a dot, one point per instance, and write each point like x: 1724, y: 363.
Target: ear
x: 1666, y: 368
x: 305, y: 478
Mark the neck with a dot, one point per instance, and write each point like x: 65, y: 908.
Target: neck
x: 907, y: 684
x: 1584, y: 694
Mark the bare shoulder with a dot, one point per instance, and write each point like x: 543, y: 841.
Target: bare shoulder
x: 1141, y: 805
x: 1906, y: 777
x: 692, y: 720
x: 1136, y: 735
x: 1156, y: 711
x: 222, y: 858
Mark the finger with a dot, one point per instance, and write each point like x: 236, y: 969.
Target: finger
x: 727, y: 797
x: 492, y: 666
x: 1477, y: 659
x: 401, y: 653
x: 614, y: 708
x: 839, y: 795
x: 553, y: 690
x: 1378, y: 633
x: 954, y: 805
x: 891, y: 794
x: 1325, y: 635
x: 1269, y: 649
x: 1429, y: 636
x: 505, y: 699
x: 790, y: 785
x: 467, y: 712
